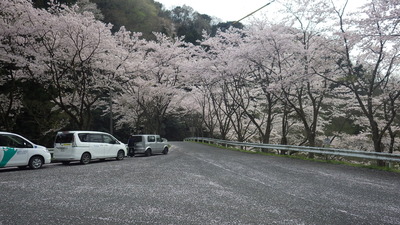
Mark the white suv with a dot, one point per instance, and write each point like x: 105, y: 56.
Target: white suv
x: 16, y: 150
x: 84, y: 146
x: 147, y: 144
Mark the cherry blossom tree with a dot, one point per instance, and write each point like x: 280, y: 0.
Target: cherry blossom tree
x: 210, y: 102
x: 75, y: 53
x: 238, y: 100
x: 155, y: 83
x: 303, y: 89
x: 266, y: 52
x: 67, y: 52
x: 221, y: 72
x: 127, y: 113
x: 15, y: 34
x: 10, y: 98
x: 274, y: 82
x: 370, y: 58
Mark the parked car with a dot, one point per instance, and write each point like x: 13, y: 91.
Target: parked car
x: 147, y: 144
x: 85, y: 146
x: 16, y: 150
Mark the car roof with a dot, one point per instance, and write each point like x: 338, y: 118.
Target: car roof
x: 4, y: 132
x: 80, y: 131
x: 145, y: 135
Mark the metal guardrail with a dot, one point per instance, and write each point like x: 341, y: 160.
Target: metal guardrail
x: 319, y: 150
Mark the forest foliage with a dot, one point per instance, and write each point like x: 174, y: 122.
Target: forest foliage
x: 147, y: 17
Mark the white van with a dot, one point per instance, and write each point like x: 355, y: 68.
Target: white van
x: 84, y: 146
x: 147, y: 144
x: 16, y: 150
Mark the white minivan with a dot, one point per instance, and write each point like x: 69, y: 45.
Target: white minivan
x: 16, y: 150
x: 84, y: 146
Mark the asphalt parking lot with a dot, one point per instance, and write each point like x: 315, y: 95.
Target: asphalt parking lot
x: 196, y: 184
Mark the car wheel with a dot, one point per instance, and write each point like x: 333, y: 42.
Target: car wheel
x: 165, y: 151
x: 148, y: 152
x: 35, y: 162
x: 85, y: 159
x: 65, y: 162
x: 120, y: 155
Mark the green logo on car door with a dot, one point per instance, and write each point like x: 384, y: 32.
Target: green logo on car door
x: 8, y: 154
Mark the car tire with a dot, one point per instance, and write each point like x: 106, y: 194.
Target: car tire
x: 86, y: 157
x: 148, y: 152
x: 120, y: 155
x: 35, y: 162
x: 165, y: 151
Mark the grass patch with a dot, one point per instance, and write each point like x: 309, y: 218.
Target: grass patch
x: 303, y: 157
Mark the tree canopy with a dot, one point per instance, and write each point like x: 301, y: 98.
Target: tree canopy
x: 316, y: 74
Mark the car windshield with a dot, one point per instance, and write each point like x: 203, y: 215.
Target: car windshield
x: 65, y: 138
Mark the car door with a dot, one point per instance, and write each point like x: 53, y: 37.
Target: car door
x: 151, y: 142
x: 111, y: 146
x: 159, y: 144
x: 14, y: 150
x: 97, y: 146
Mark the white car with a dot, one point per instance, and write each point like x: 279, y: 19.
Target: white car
x: 16, y: 150
x: 84, y: 146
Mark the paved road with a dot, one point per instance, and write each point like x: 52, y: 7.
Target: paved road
x: 195, y: 184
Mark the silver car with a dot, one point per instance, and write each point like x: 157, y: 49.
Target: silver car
x: 147, y: 144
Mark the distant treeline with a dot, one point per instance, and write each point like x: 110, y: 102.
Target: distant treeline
x: 148, y: 16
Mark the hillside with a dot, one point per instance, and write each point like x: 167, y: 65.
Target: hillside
x: 147, y: 16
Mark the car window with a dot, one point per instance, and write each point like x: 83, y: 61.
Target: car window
x: 137, y: 138
x: 151, y: 139
x: 83, y: 137
x: 3, y: 140
x: 65, y: 138
x: 108, y: 139
x: 95, y: 138
x: 14, y: 141
x: 159, y: 140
